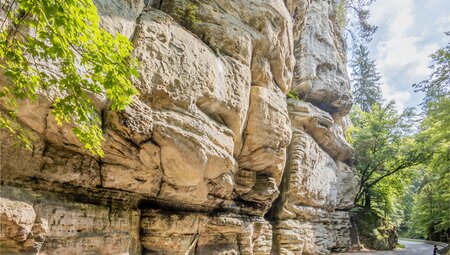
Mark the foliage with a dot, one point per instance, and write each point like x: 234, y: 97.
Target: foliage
x: 359, y: 31
x: 341, y: 13
x: 431, y: 210
x: 293, y: 96
x: 375, y: 231
x: 437, y: 85
x: 86, y: 61
x: 365, y: 79
x: 384, y: 147
x: 188, y: 15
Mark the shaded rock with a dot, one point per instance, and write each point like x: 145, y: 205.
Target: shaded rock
x: 341, y: 231
x: 70, y: 227
x: 134, y: 123
x: 245, y: 180
x: 311, y: 175
x: 267, y: 133
x: 198, y: 233
x: 347, y: 186
x: 17, y: 162
x: 119, y: 16
x: 321, y: 126
x: 129, y: 167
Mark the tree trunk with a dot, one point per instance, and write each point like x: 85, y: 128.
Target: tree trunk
x: 367, y: 198
x: 354, y: 233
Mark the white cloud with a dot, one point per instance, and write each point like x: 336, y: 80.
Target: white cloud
x: 397, y: 15
x: 399, y: 47
x: 401, y: 97
x: 401, y: 51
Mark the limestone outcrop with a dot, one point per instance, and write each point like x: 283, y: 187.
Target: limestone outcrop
x: 210, y: 157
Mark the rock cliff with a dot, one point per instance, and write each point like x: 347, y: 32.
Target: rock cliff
x: 210, y: 158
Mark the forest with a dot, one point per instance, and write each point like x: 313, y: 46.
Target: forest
x: 402, y: 157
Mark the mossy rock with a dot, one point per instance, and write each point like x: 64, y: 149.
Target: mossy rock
x: 375, y: 232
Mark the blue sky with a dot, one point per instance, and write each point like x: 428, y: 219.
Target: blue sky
x: 408, y: 32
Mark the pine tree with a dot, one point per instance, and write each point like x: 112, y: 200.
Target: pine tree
x: 365, y: 79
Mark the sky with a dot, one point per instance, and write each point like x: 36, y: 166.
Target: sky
x: 408, y: 32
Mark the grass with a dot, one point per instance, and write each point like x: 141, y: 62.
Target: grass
x: 400, y: 246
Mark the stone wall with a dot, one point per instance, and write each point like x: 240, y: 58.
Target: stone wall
x: 210, y: 158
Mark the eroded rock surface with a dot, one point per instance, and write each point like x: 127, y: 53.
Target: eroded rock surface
x: 320, y: 75
x: 199, y: 233
x: 196, y: 161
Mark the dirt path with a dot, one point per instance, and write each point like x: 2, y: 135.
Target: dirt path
x: 412, y: 248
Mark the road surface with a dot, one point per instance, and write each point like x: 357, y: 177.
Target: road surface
x: 412, y: 248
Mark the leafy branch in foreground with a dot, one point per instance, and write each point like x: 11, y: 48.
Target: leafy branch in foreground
x: 57, y: 47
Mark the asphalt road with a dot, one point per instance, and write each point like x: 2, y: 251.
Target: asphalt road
x: 412, y: 248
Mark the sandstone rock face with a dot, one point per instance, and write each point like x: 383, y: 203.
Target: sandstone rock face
x: 35, y: 222
x: 322, y: 127
x: 198, y: 233
x: 194, y: 164
x: 320, y: 75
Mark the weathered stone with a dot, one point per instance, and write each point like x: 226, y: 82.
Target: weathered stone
x: 129, y: 167
x: 245, y: 180
x: 311, y: 175
x: 341, y: 230
x: 134, y: 123
x: 198, y: 233
x: 68, y: 227
x: 192, y: 147
x: 257, y: 33
x: 17, y: 162
x: 48, y: 162
x: 267, y: 134
x: 296, y: 237
x: 21, y: 231
x: 320, y: 75
x: 184, y: 195
x: 65, y: 166
x: 16, y: 219
x: 222, y: 186
x: 347, y: 186
x: 180, y: 72
x: 264, y: 191
x: 119, y: 16
x: 321, y: 126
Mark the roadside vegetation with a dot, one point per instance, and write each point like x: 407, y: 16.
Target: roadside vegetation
x: 402, y: 158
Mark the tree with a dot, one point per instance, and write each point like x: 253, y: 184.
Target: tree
x: 354, y: 16
x: 431, y: 210
x: 384, y: 146
x: 365, y: 80
x: 87, y: 60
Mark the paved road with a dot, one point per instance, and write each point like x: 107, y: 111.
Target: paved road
x: 412, y: 248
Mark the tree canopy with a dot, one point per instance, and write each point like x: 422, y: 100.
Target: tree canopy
x: 383, y: 145
x: 430, y: 215
x: 365, y: 79
x: 86, y: 61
